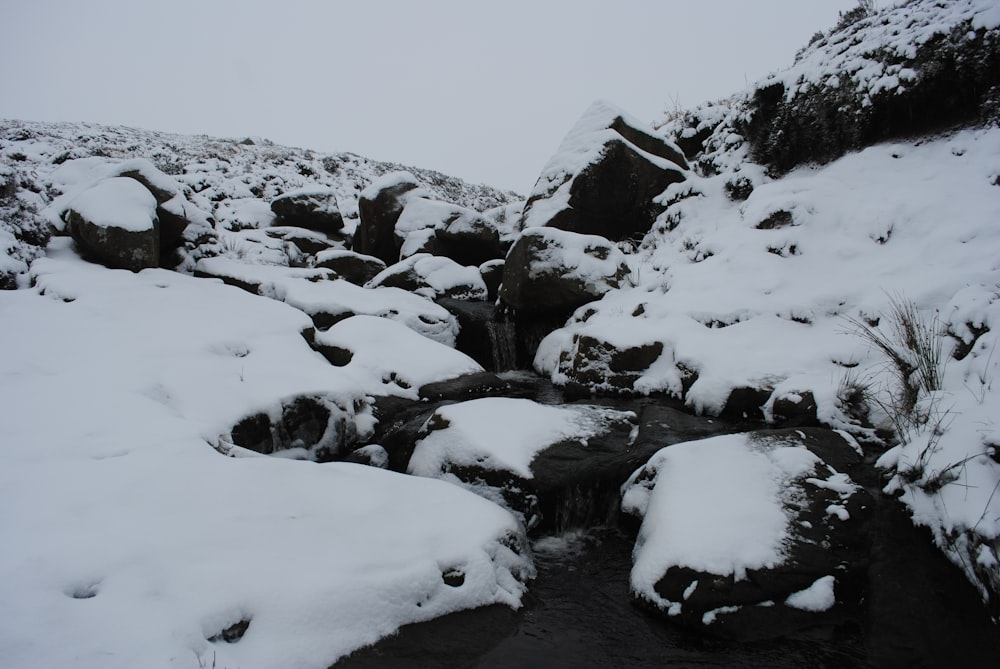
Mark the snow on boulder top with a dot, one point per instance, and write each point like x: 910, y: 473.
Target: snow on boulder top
x: 119, y: 202
x: 390, y: 180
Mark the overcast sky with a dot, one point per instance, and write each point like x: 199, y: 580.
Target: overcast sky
x: 483, y: 91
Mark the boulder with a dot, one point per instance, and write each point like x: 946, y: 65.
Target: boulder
x: 311, y: 208
x: 308, y: 242
x: 115, y: 223
x: 173, y: 208
x: 305, y: 428
x: 442, y: 228
x: 379, y: 207
x: 605, y: 177
x: 357, y: 268
x: 433, y: 276
x: 752, y: 535
x: 549, y: 270
x: 515, y: 451
x: 596, y: 363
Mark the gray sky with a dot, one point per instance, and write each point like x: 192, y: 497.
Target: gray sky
x: 482, y: 91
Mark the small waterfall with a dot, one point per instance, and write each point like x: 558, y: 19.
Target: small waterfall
x: 503, y: 341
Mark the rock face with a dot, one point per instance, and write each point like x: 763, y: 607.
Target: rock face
x: 604, y: 178
x: 311, y: 208
x: 554, y: 270
x: 754, y: 535
x: 379, y: 207
x: 115, y: 223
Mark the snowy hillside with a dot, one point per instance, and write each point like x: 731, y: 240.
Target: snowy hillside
x: 263, y: 407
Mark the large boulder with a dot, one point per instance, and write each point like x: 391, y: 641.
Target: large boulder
x: 752, y: 535
x: 379, y: 207
x: 442, y: 228
x: 550, y: 270
x: 115, y: 222
x: 605, y: 177
x: 311, y: 208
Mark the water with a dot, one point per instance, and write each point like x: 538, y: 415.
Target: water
x: 503, y: 343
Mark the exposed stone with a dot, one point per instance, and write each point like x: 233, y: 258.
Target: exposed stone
x: 599, y: 364
x: 433, y: 276
x: 311, y: 208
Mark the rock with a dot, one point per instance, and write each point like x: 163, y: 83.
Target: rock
x: 604, y: 178
x: 514, y: 451
x: 379, y: 207
x: 372, y: 455
x: 173, y: 208
x: 752, y: 536
x: 306, y: 427
x: 115, y: 222
x: 549, y: 270
x: 492, y: 273
x: 432, y: 276
x: 459, y: 233
x: 357, y: 268
x: 311, y: 208
x: 306, y: 241
x: 599, y: 364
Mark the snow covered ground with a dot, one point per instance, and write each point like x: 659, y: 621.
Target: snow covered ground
x: 130, y: 542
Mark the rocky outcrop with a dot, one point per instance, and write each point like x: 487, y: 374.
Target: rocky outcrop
x: 605, y: 177
x: 441, y: 228
x: 311, y: 208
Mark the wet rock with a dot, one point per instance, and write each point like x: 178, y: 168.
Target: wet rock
x: 311, y: 208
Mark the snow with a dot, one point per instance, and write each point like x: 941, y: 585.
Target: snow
x: 119, y: 202
x: 132, y: 540
x: 817, y: 597
x: 714, y: 505
x: 503, y: 433
x: 442, y: 275
x: 400, y: 359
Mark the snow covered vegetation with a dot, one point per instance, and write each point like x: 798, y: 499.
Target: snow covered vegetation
x: 257, y: 406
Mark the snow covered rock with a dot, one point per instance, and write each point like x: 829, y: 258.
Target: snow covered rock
x: 751, y: 535
x: 497, y: 447
x: 308, y: 427
x: 433, y: 276
x: 459, y: 233
x: 555, y: 270
x: 605, y: 177
x: 252, y: 276
x: 115, y: 222
x: 328, y: 302
x: 357, y: 268
x: 400, y: 359
x: 380, y: 206
x: 173, y: 207
x: 312, y: 208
